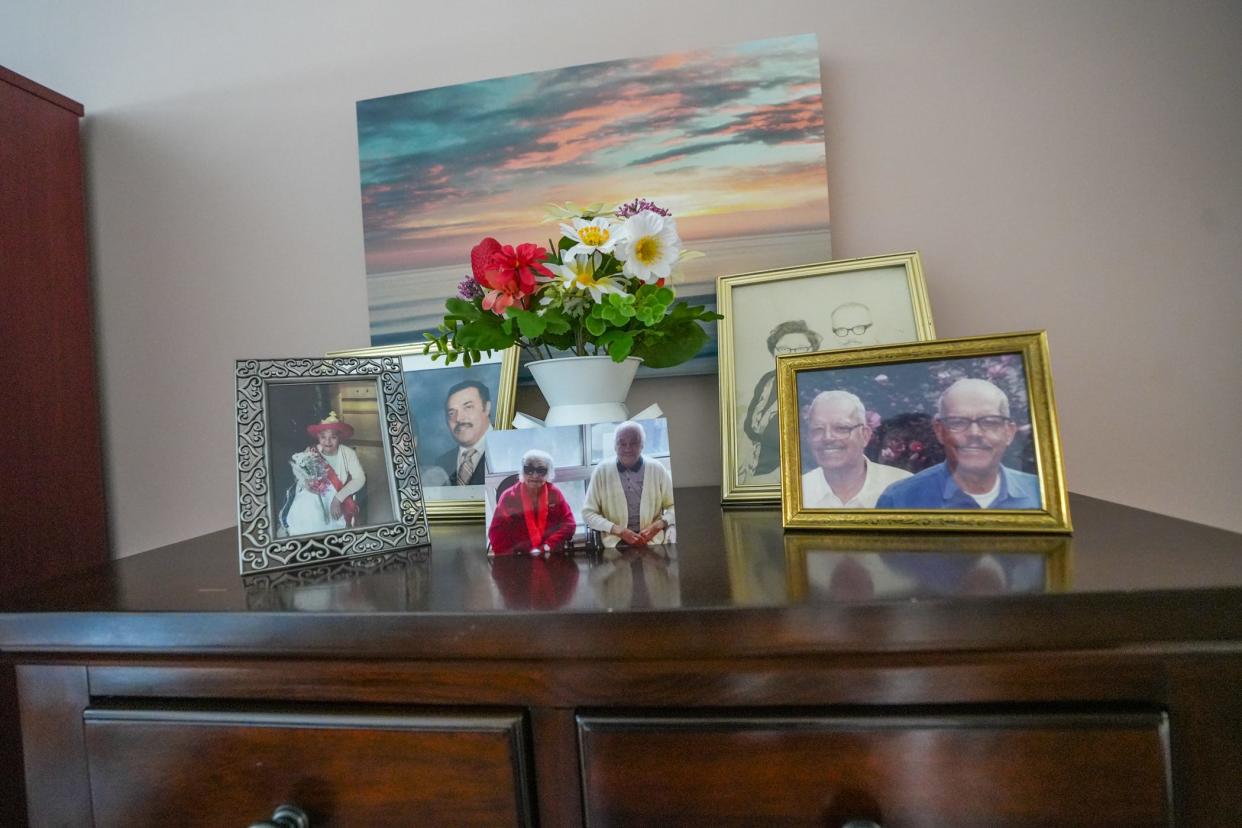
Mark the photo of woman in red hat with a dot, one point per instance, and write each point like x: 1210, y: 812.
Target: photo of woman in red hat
x: 328, y: 475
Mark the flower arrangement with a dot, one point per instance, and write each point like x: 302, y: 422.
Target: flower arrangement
x: 604, y: 288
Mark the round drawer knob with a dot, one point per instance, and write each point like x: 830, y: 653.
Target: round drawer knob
x: 286, y: 816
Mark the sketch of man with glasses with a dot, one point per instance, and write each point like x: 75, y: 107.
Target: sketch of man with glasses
x: 761, y: 425
x: 844, y: 478
x: 972, y: 422
x: 852, y: 325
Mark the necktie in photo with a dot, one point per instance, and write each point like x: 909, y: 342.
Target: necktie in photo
x: 466, y: 467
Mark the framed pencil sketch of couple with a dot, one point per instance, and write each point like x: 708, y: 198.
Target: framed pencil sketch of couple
x: 797, y: 310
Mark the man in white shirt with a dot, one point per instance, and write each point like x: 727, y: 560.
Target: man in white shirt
x: 844, y: 478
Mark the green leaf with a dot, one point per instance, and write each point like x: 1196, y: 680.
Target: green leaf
x: 619, y: 344
x: 651, y: 305
x: 649, y: 314
x: 617, y: 309
x: 673, y: 344
x: 529, y: 323
x: 557, y: 322
x: 463, y: 308
x: 595, y: 323
x: 681, y: 312
x: 562, y: 341
x: 487, y: 333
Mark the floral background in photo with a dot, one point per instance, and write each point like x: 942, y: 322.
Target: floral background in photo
x: 900, y: 399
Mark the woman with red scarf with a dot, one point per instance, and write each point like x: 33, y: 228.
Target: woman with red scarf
x: 531, y: 515
x: 328, y: 475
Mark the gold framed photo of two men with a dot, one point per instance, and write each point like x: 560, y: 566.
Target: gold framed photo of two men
x: 797, y: 310
x: 453, y: 410
x: 952, y: 435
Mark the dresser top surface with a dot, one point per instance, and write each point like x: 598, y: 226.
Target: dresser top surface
x: 735, y: 583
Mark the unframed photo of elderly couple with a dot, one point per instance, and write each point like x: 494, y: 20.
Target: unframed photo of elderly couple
x: 558, y: 489
x: 950, y: 434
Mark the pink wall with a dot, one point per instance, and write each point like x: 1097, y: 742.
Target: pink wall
x: 1062, y: 165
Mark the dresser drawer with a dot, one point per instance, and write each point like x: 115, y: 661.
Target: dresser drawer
x: 960, y: 771
x: 224, y: 768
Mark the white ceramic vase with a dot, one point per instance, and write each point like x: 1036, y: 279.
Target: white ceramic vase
x: 586, y: 389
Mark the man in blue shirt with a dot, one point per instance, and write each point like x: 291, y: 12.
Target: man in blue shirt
x: 972, y: 423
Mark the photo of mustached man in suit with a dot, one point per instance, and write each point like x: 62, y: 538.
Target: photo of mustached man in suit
x: 467, y: 413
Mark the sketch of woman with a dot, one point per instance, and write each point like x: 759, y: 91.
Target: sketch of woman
x: 761, y: 425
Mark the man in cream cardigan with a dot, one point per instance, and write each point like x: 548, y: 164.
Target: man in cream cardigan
x: 630, y: 498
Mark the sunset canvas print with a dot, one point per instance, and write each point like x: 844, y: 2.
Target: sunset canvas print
x: 730, y: 139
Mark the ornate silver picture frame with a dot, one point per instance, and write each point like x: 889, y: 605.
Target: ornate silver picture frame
x: 325, y: 462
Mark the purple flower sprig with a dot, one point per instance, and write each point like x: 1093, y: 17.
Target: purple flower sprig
x: 638, y: 205
x: 469, y: 289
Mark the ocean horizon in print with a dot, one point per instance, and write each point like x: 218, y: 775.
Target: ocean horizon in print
x: 731, y: 139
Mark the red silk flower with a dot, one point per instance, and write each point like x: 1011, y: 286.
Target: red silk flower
x: 480, y: 254
x: 506, y: 273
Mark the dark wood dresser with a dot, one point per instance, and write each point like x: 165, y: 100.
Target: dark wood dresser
x: 745, y: 677
x: 52, y: 516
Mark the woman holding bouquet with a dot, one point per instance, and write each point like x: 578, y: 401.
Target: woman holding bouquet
x: 531, y: 515
x: 328, y: 475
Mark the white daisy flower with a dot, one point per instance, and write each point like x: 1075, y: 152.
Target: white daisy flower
x: 578, y: 273
x: 592, y: 235
x: 648, y: 246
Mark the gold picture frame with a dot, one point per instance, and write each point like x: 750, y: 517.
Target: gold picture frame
x: 503, y: 402
x: 902, y: 384
x: 956, y: 557
x: 886, y: 294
